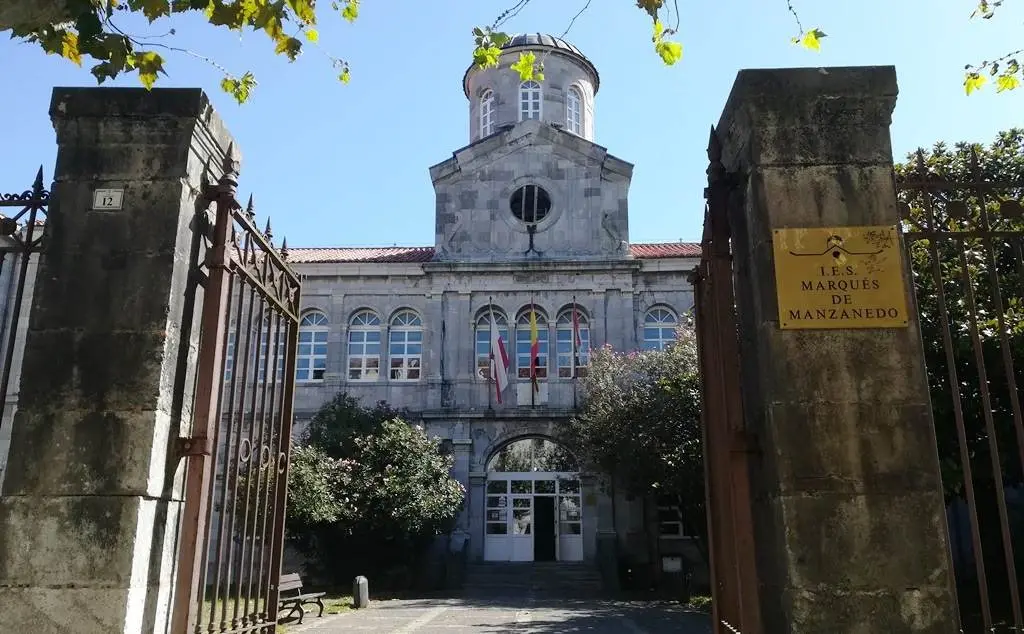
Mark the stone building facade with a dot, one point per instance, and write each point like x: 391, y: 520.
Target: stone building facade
x: 531, y: 216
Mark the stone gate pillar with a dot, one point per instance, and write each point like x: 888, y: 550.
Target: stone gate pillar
x: 849, y: 515
x: 89, y: 507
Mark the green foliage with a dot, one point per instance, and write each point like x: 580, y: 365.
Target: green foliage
x: 969, y: 271
x: 1006, y: 69
x: 640, y: 423
x: 88, y: 28
x: 700, y: 603
x: 368, y: 490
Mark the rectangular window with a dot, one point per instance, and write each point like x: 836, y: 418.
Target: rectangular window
x: 670, y: 522
x: 483, y: 350
x: 363, y: 355
x: 523, y: 351
x: 564, y: 349
x: 311, y: 363
x: 405, y: 348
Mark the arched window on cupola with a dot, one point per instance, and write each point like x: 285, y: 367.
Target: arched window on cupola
x: 487, y: 113
x: 529, y: 100
x: 574, y: 111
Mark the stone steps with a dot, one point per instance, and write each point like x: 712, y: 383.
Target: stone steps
x: 547, y: 578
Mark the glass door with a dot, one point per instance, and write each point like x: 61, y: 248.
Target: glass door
x: 521, y: 521
x: 570, y: 520
x: 497, y: 546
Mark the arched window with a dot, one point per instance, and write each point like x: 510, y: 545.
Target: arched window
x: 572, y: 343
x: 364, y: 346
x: 483, y: 339
x: 405, y: 346
x: 574, y: 111
x: 312, y: 355
x: 523, y: 343
x: 529, y: 100
x: 530, y: 455
x: 487, y: 113
x: 659, y: 328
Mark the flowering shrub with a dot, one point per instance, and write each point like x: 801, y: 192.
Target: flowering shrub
x: 639, y: 422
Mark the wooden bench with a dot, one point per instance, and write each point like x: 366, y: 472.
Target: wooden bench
x: 295, y: 599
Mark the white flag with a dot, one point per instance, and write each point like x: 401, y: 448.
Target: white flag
x: 499, y: 360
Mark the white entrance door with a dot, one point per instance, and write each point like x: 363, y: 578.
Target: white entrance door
x: 521, y: 528
x: 510, y: 521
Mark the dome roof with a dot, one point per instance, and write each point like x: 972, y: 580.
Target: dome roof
x: 541, y: 40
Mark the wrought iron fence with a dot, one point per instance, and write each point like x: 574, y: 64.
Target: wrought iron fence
x: 22, y: 216
x: 964, y: 237
x: 237, y: 471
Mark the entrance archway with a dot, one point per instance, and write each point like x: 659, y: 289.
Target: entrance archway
x: 533, y: 510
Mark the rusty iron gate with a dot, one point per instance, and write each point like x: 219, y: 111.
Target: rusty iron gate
x: 734, y: 583
x: 232, y: 532
x: 963, y: 228
x: 21, y: 241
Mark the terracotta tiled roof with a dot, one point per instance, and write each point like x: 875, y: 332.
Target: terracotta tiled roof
x: 361, y: 254
x: 665, y: 250
x: 425, y: 254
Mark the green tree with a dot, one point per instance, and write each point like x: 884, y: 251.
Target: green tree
x: 639, y: 422
x: 970, y: 269
x: 94, y: 29
x: 368, y: 492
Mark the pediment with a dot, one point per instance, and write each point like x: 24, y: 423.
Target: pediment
x: 529, y: 136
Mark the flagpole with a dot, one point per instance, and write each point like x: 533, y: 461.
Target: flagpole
x: 575, y: 360
x: 533, y: 359
x: 492, y: 374
x: 572, y: 336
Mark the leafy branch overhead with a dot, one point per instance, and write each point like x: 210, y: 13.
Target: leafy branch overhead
x: 90, y: 32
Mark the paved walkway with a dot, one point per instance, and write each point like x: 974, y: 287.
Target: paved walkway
x: 518, y: 615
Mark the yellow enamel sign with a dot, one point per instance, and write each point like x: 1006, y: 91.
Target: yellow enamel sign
x: 840, y: 277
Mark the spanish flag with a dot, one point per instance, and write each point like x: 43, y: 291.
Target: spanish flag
x: 534, y: 349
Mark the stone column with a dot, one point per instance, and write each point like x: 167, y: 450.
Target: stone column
x: 849, y: 516
x: 463, y: 450
x: 477, y: 500
x: 89, y: 507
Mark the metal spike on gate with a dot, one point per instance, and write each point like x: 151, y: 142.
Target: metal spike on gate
x: 228, y: 183
x: 267, y: 232
x: 250, y: 209
x: 37, y: 185
x: 284, y: 249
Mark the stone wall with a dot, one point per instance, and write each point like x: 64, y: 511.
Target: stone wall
x: 90, y: 503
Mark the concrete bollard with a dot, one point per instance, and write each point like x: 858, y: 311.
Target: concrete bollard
x: 360, y: 592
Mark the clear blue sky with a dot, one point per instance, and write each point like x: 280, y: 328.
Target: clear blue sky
x: 347, y: 165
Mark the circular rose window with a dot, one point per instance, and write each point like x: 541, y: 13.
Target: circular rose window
x: 530, y: 204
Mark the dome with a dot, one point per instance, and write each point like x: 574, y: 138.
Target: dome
x: 541, y: 40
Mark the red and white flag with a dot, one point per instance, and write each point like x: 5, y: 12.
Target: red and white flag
x: 499, y: 360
